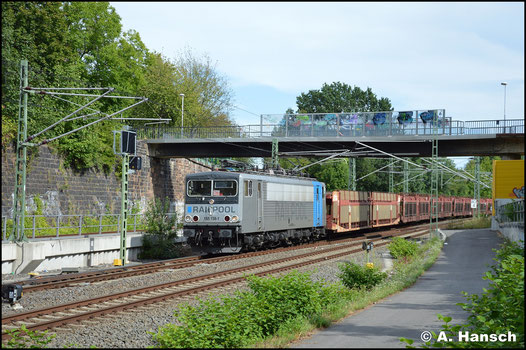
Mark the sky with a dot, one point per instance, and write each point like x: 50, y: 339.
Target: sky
x: 420, y: 55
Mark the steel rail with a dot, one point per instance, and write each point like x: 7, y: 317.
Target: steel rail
x: 43, y: 283
x: 27, y: 316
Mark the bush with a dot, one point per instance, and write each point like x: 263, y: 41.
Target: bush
x: 401, y: 248
x: 286, y: 297
x: 355, y: 276
x: 161, y: 232
x: 250, y: 316
x: 160, y: 247
x: 157, y: 220
x: 224, y: 322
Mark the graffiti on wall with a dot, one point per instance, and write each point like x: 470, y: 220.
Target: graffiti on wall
x: 360, y: 123
x: 519, y: 192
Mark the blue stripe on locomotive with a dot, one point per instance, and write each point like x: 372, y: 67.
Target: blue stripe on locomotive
x: 318, y: 204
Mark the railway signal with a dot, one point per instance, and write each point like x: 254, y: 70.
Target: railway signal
x: 128, y: 148
x: 12, y: 293
x: 368, y: 246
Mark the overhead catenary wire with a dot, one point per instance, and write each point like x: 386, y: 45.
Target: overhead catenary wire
x: 42, y: 92
x: 456, y: 172
x: 65, y: 118
x: 89, y: 124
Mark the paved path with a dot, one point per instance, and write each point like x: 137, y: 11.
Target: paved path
x: 460, y: 266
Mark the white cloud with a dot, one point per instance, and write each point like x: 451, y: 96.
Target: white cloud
x: 450, y: 55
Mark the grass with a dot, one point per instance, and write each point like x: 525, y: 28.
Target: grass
x: 46, y: 227
x: 474, y: 223
x: 403, y: 275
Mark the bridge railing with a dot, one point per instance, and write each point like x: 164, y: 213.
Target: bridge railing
x: 484, y: 127
x: 369, y: 124
x: 512, y: 212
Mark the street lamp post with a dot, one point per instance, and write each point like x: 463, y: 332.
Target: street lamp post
x: 504, y: 84
x: 182, y: 114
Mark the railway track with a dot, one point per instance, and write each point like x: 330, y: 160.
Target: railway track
x: 51, y: 282
x: 69, y: 315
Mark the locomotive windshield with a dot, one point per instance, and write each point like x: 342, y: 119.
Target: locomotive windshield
x: 222, y: 188
x: 198, y: 188
x: 225, y: 188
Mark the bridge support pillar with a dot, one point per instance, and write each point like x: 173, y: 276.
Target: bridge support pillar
x: 406, y: 177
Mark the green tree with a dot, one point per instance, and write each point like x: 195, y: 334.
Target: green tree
x: 340, y: 97
x: 208, y: 96
x: 81, y: 44
x: 71, y: 44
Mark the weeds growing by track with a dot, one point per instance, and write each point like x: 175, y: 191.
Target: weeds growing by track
x: 278, y: 310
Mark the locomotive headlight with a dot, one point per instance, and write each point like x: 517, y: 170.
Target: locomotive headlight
x: 188, y: 218
x: 235, y: 218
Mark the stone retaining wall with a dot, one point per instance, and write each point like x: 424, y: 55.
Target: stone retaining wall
x: 65, y: 192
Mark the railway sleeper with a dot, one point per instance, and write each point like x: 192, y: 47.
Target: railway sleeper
x: 38, y: 319
x: 88, y: 308
x: 138, y: 297
x: 77, y: 325
x: 9, y: 327
x: 90, y: 322
x: 54, y: 317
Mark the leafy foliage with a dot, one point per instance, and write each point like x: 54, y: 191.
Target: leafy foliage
x: 161, y: 231
x: 249, y: 316
x: 402, y: 248
x: 24, y: 338
x: 157, y: 220
x: 355, y: 276
x: 81, y: 44
x: 340, y: 97
x: 279, y: 307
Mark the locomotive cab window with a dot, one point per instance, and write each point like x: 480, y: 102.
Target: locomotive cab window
x: 227, y: 188
x: 198, y: 188
x: 248, y: 188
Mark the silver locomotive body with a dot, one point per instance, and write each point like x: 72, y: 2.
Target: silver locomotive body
x: 227, y: 212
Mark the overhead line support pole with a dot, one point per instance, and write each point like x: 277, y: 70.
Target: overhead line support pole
x: 21, y: 161
x: 391, y: 176
x: 433, y: 228
x: 477, y: 185
x: 406, y: 177
x: 275, y: 159
x: 352, y: 173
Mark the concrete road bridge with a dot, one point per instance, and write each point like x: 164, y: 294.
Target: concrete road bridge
x: 363, y: 134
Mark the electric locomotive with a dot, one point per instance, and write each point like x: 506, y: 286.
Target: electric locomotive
x: 230, y: 212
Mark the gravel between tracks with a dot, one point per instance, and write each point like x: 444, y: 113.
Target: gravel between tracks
x: 129, y: 329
